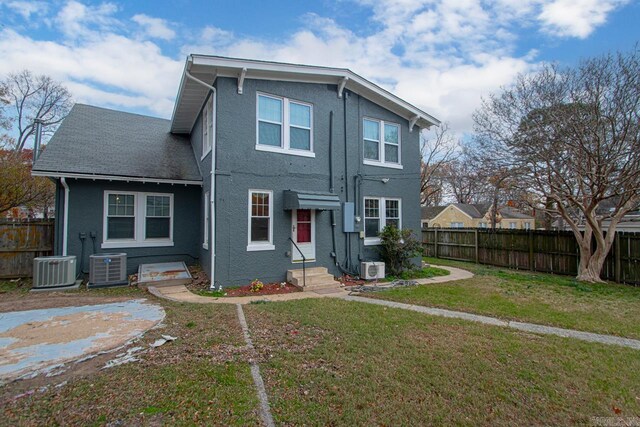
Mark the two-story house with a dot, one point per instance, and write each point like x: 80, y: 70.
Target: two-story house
x: 260, y: 164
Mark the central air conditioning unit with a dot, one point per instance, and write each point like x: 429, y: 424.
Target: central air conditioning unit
x: 54, y: 272
x: 372, y: 270
x: 107, y: 270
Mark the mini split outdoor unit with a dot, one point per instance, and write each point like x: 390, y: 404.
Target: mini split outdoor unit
x: 372, y: 270
x: 107, y: 270
x: 54, y: 272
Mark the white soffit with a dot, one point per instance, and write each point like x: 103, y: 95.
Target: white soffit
x: 191, y: 95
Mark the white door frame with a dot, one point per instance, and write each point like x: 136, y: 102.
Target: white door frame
x: 309, y: 249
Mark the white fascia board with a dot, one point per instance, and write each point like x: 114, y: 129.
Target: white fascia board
x: 94, y: 177
x: 264, y: 70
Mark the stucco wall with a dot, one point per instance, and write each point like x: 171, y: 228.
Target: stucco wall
x: 241, y: 167
x: 86, y: 207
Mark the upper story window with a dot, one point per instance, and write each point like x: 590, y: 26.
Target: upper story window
x: 208, y: 126
x: 284, y: 125
x: 137, y: 219
x: 381, y: 143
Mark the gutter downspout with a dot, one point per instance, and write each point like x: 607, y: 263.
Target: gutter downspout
x: 65, y: 216
x: 212, y: 191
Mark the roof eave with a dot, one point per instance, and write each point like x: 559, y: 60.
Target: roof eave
x: 264, y: 70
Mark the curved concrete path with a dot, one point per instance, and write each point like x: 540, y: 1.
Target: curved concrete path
x: 180, y: 293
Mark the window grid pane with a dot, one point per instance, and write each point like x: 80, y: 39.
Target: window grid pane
x: 121, y: 205
x: 270, y: 109
x: 371, y: 130
x: 300, y: 115
x: 391, y: 134
x: 158, y: 206
x: 371, y: 208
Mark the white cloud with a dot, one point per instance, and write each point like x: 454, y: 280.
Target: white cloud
x: 438, y: 54
x: 28, y: 8
x: 110, y: 69
x: 75, y: 19
x: 155, y: 27
x: 576, y: 18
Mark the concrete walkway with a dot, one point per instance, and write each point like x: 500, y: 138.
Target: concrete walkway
x: 527, y: 327
x: 180, y: 293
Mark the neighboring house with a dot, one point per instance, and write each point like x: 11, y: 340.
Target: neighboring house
x: 629, y: 222
x: 465, y: 215
x: 314, y: 155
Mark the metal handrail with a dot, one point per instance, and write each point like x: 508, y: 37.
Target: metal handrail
x: 304, y: 260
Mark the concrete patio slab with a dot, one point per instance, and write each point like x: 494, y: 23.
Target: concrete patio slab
x: 37, y: 341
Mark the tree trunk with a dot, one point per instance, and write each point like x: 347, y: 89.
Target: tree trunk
x: 590, y: 263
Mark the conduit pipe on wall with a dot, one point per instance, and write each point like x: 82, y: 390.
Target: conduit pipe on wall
x: 65, y: 216
x: 212, y: 191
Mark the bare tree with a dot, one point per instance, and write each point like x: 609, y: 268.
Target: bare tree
x: 461, y: 180
x: 574, y: 134
x: 436, y: 152
x: 31, y: 97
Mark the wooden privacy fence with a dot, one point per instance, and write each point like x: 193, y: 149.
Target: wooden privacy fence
x: 536, y: 250
x: 20, y: 243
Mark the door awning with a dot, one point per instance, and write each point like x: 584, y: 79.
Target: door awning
x: 310, y: 200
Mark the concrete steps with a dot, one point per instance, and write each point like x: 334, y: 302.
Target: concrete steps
x: 317, y: 279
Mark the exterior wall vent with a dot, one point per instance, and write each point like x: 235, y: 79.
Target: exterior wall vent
x: 50, y: 272
x: 372, y: 270
x: 107, y: 270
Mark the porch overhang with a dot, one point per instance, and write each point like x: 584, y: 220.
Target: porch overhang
x: 294, y: 199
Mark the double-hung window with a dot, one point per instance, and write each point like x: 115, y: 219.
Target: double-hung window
x: 381, y: 143
x: 208, y: 125
x: 378, y: 213
x: 513, y: 225
x: 284, y: 125
x: 137, y: 219
x: 260, y: 227
x: 457, y: 225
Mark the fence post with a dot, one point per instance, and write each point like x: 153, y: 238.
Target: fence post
x: 477, y: 254
x: 531, y: 257
x: 435, y: 244
x: 617, y: 256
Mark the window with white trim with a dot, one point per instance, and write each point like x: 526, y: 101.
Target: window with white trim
x: 205, y: 225
x: 284, y: 125
x: 527, y: 226
x: 378, y: 213
x: 381, y: 143
x: 137, y: 219
x: 483, y: 225
x: 208, y: 126
x: 260, y: 226
x: 513, y: 225
x: 457, y: 225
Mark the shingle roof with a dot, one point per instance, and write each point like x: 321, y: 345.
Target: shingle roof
x: 513, y: 214
x: 474, y: 211
x: 430, y: 212
x: 98, y: 141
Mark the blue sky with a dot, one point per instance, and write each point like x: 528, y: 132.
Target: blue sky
x: 441, y: 55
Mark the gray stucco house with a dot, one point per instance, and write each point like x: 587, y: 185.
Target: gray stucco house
x: 256, y: 155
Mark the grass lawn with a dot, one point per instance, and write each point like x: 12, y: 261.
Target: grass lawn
x: 533, y: 297
x: 334, y: 362
x: 201, y: 378
x: 423, y: 273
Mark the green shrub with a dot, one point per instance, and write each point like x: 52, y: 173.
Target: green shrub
x: 397, y: 247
